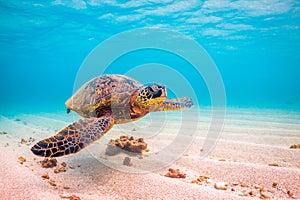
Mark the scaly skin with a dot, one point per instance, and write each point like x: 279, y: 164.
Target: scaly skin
x: 74, y: 137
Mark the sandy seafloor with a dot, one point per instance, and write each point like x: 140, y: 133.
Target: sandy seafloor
x: 251, y: 140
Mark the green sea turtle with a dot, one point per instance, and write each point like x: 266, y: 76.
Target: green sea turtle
x: 104, y: 101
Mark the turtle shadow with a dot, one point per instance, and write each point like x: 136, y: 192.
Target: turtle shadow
x: 89, y: 174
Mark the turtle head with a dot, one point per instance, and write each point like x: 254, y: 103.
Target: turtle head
x: 150, y: 95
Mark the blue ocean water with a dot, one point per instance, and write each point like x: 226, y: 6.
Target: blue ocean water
x: 254, y: 44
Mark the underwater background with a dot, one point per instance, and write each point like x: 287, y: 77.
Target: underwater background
x: 255, y: 45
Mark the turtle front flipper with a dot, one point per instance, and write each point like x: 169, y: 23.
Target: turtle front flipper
x: 74, y: 137
x: 173, y: 104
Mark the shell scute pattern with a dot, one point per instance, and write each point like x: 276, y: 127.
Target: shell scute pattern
x: 107, y: 85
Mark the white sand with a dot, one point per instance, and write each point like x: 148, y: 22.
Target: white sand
x: 250, y: 141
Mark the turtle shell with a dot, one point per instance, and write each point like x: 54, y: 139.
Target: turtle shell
x: 96, y: 97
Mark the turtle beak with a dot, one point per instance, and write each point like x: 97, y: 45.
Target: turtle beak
x: 164, y: 92
x: 69, y: 104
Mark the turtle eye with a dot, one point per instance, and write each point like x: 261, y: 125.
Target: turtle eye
x: 156, y: 94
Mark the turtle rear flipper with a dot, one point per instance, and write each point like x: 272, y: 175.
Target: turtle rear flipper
x: 74, y: 137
